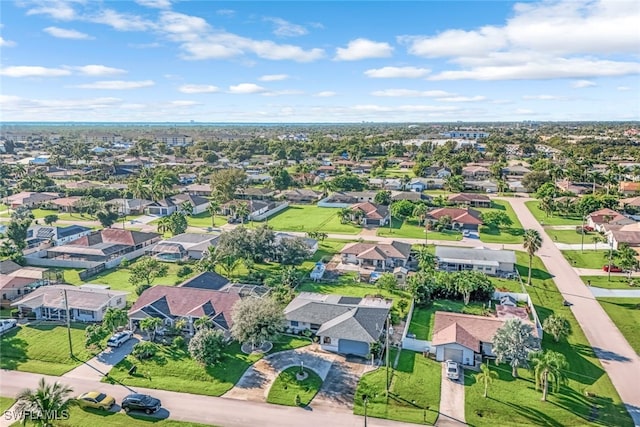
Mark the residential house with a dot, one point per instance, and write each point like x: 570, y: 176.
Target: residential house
x: 255, y: 193
x: 344, y: 325
x: 17, y: 281
x: 422, y: 184
x: 379, y: 256
x: 183, y: 247
x: 81, y: 185
x: 56, y: 235
x: 174, y: 140
x: 486, y: 185
x: 491, y: 262
x: 627, y: 234
x: 633, y: 202
x: 371, y: 213
x: 173, y: 204
x: 466, y: 134
x: 629, y: 188
x: 312, y: 244
x: 408, y: 164
x: 209, y: 280
x: 577, y: 188
x: 130, y: 206
x: 471, y: 199
x: 258, y: 178
x: 173, y: 303
x: 386, y: 183
x: 412, y: 196
x: 475, y: 172
x: 187, y: 178
x: 461, y: 219
x: 257, y: 209
x: 302, y: 196
x: 65, y: 204
x: 199, y: 189
x: 29, y: 199
x: 325, y: 170
x: 515, y: 171
x: 607, y: 216
x: 86, y: 304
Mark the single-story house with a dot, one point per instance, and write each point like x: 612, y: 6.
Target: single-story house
x: 412, y: 196
x: 629, y: 187
x: 183, y: 246
x: 209, y: 280
x: 347, y: 198
x: 171, y: 303
x: 65, y: 204
x: 515, y: 170
x: 461, y: 219
x: 371, y: 213
x: 421, y: 184
x: 377, y: 255
x: 312, y: 244
x: 56, y: 235
x: 29, y: 199
x: 16, y: 281
x: 489, y: 261
x: 631, y: 201
x: 485, y: 185
x: 173, y: 204
x: 198, y: 189
x: 629, y: 234
x: 302, y: 195
x: 386, y: 183
x: 475, y: 172
x: 471, y: 199
x: 577, y: 188
x: 130, y: 206
x: 86, y: 304
x: 345, y: 325
x: 255, y: 193
x: 607, y: 216
x: 187, y: 178
x: 256, y: 208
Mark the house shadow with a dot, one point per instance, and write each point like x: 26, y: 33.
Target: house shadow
x: 13, y: 350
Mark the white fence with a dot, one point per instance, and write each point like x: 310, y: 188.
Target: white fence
x: 523, y: 297
x: 324, y: 204
x: 268, y: 213
x: 50, y: 262
x: 413, y: 343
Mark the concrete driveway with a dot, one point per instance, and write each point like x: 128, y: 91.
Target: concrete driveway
x: 451, y: 400
x: 99, y: 366
x: 339, y: 387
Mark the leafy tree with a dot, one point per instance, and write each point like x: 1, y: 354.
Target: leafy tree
x: 144, y: 350
x: 532, y: 243
x: 207, y: 346
x: 292, y: 251
x: 209, y: 260
x: 114, y: 318
x: 626, y: 258
x: 186, y: 208
x: 147, y: 270
x: 256, y: 320
x: 176, y: 223
x: 290, y: 276
x: 262, y: 243
x: 347, y: 182
x: 496, y: 219
x: 345, y: 215
x: 107, y: 217
x: 420, y: 211
x: 486, y: 377
x: 548, y: 368
x: 203, y: 322
x: 426, y: 259
x: 402, y: 209
x: 16, y: 235
x: 383, y: 197
x: 548, y: 189
x: 224, y: 183
x: 50, y: 219
x: 454, y: 183
x: 533, y: 180
x: 242, y: 211
x: 94, y: 334
x: 229, y: 263
x: 387, y: 281
x: 46, y: 403
x: 513, y: 342
x: 557, y: 325
x: 466, y: 282
x: 150, y: 325
x: 280, y: 178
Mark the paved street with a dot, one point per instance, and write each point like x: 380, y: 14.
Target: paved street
x: 619, y: 360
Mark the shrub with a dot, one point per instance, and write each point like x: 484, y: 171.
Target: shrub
x: 15, y: 313
x: 184, y: 271
x: 144, y: 350
x: 178, y: 342
x: 206, y: 347
x: 140, y: 289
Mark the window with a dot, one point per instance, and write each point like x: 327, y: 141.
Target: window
x: 87, y: 313
x: 294, y: 323
x: 326, y: 340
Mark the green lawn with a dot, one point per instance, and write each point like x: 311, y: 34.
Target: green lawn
x: 618, y: 281
x: 6, y: 403
x: 551, y: 220
x: 414, y: 394
x: 422, y: 319
x: 506, y: 285
x: 79, y: 417
x: 411, y: 230
x: 309, y: 218
x: 625, y: 313
x: 173, y: 369
x: 43, y: 348
x: 571, y: 236
x: 286, y: 387
x: 516, y: 402
x: 512, y: 234
x: 118, y: 278
x: 587, y: 259
x: 203, y: 220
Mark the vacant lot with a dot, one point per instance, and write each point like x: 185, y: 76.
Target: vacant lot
x: 587, y: 259
x: 306, y: 218
x: 618, y: 281
x: 414, y: 394
x: 625, y: 313
x: 410, y: 229
x: 551, y: 220
x: 512, y: 234
x: 571, y: 237
x: 43, y: 348
x: 203, y: 220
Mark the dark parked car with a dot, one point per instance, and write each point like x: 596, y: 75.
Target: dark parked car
x: 141, y: 402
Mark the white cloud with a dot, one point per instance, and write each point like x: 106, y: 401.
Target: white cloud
x: 325, y: 94
x: 6, y: 43
x: 273, y: 77
x: 476, y: 98
x: 397, y: 72
x: 198, y: 89
x: 117, y: 84
x: 184, y: 103
x: 246, y: 88
x: 63, y: 33
x: 286, y: 92
x: 545, y: 97
x: 98, y: 70
x: 579, y: 84
x: 523, y: 111
x: 156, y: 4
x: 121, y: 21
x: 362, y: 49
x: 225, y: 12
x: 58, y: 9
x: 623, y: 88
x: 33, y: 71
x: 144, y: 45
x: 285, y: 28
x: 410, y: 93
x: 38, y: 106
x: 401, y: 108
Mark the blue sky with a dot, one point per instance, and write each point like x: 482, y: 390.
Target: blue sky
x: 429, y: 61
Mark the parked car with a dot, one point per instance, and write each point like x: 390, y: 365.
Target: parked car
x: 119, y: 338
x: 6, y: 324
x: 453, y: 370
x: 612, y: 268
x: 466, y: 233
x: 141, y: 402
x: 96, y: 400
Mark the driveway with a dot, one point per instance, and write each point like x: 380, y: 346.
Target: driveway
x: 99, y: 366
x: 339, y: 387
x: 451, y: 400
x: 614, y: 293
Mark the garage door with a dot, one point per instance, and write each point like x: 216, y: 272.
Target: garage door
x: 453, y: 354
x: 353, y: 347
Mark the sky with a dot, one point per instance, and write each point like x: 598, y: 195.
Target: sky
x: 329, y: 61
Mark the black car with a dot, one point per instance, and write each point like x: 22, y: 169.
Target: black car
x: 141, y: 402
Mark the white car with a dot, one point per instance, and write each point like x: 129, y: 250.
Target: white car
x: 453, y: 370
x: 6, y: 324
x: 119, y: 338
x: 466, y: 233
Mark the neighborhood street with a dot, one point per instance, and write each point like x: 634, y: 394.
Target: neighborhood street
x: 619, y: 360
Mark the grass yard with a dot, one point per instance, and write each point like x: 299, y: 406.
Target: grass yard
x: 286, y: 387
x: 173, y: 369
x: 551, y: 220
x: 422, y: 320
x: 42, y: 348
x: 618, y: 281
x: 6, y: 403
x: 411, y: 230
x: 506, y: 285
x: 516, y: 402
x: 309, y: 218
x: 414, y: 394
x: 203, y: 220
x: 512, y: 234
x: 79, y: 417
x: 571, y: 237
x: 625, y: 313
x: 587, y: 259
x: 118, y: 278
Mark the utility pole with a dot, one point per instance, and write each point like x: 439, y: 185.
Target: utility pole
x: 66, y: 308
x: 582, y: 235
x: 365, y: 400
x: 387, y: 350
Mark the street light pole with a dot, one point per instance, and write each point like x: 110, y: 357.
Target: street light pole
x: 66, y: 308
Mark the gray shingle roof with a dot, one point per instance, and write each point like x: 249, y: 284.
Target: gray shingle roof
x: 477, y: 254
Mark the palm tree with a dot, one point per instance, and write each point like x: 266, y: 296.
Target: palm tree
x: 345, y: 215
x: 532, y: 243
x: 164, y: 224
x: 45, y: 404
x: 242, y: 210
x: 114, y: 318
x: 548, y: 368
x: 186, y: 208
x: 486, y: 376
x: 598, y: 238
x: 229, y: 263
x: 150, y: 325
x: 420, y: 211
x: 203, y: 322
x: 214, y: 206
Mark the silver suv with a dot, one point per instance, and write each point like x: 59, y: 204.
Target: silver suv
x: 119, y: 338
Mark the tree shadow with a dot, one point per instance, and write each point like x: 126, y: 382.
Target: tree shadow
x: 13, y: 350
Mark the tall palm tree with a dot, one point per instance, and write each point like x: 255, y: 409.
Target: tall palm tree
x: 150, y: 325
x: 486, y: 377
x: 164, y: 224
x: 345, y: 215
x: 203, y: 322
x: 46, y: 403
x: 114, y: 318
x: 532, y: 243
x: 242, y: 210
x: 548, y: 368
x: 420, y: 211
x: 214, y: 206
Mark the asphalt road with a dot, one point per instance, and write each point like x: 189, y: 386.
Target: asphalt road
x: 618, y: 359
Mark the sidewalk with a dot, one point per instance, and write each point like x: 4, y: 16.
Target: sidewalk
x: 614, y: 293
